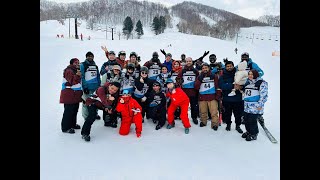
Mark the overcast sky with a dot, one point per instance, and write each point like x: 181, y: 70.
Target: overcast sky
x: 251, y: 9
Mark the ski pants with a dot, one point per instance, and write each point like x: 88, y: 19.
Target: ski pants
x: 213, y: 108
x: 92, y: 113
x: 158, y: 113
x: 184, y: 113
x: 194, y: 103
x: 85, y: 111
x: 232, y: 107
x: 126, y: 124
x: 69, y: 118
x: 251, y: 123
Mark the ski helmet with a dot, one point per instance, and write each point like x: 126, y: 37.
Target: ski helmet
x: 144, y: 69
x: 112, y: 52
x: 121, y: 53
x: 133, y: 54
x: 169, y: 80
x: 130, y: 66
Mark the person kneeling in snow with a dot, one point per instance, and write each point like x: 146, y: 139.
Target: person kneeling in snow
x: 130, y: 112
x: 180, y: 99
x: 156, y: 102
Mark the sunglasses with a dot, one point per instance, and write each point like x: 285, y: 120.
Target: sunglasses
x: 144, y: 73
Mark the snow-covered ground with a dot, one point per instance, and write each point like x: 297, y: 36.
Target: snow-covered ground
x: 164, y: 154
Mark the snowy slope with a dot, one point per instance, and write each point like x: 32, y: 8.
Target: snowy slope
x: 164, y: 154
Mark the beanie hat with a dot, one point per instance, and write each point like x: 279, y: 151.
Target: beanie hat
x: 116, y: 67
x: 89, y: 54
x: 112, y: 52
x: 144, y: 69
x: 169, y: 80
x: 169, y: 54
x: 255, y: 73
x: 133, y: 54
x: 156, y: 83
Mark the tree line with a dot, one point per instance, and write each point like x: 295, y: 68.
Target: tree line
x: 155, y: 15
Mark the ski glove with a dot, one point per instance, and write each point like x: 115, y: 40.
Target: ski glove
x: 205, y: 53
x: 163, y: 52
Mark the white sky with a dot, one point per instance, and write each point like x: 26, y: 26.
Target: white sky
x: 251, y: 9
x: 164, y: 154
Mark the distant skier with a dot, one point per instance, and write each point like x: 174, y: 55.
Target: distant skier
x: 236, y: 50
x: 81, y: 36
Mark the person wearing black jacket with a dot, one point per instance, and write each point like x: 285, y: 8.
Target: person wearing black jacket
x: 142, y: 85
x: 231, y: 104
x: 156, y: 102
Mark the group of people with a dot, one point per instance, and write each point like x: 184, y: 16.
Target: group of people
x: 130, y: 93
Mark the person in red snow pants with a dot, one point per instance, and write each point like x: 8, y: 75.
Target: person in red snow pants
x: 178, y: 98
x: 130, y: 112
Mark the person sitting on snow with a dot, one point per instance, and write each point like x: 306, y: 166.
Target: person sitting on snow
x: 130, y: 112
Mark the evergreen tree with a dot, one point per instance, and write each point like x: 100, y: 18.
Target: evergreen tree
x: 162, y: 24
x: 139, y: 29
x: 156, y: 25
x: 127, y: 27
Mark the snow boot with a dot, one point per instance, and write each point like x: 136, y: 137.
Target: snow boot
x: 239, y: 129
x: 244, y: 135
x: 186, y: 130
x: 228, y: 128
x: 251, y: 137
x: 70, y: 131
x: 195, y: 121
x: 202, y: 124
x: 86, y: 137
x: 77, y: 126
x: 158, y: 127
x: 215, y: 128
x: 169, y: 126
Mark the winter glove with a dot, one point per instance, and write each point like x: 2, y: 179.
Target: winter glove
x: 205, y: 53
x: 143, y: 99
x: 86, y: 90
x: 163, y: 52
